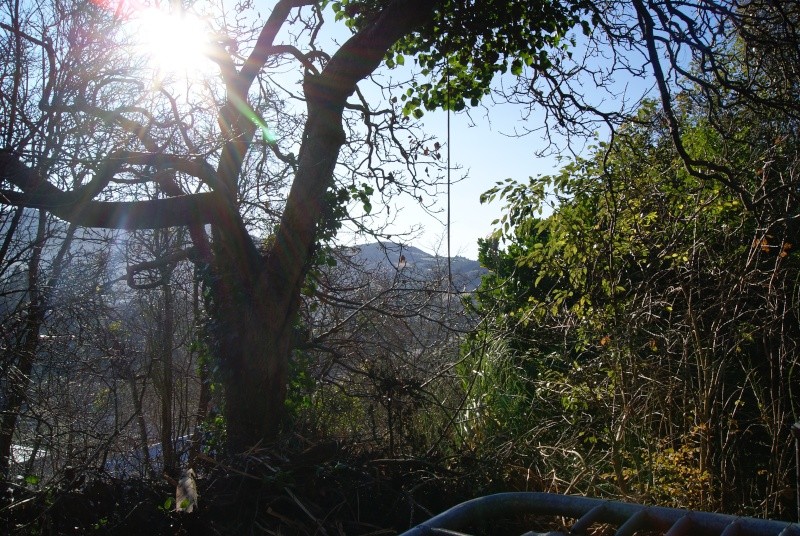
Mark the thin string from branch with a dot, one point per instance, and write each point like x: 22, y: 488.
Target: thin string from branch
x: 449, y: 256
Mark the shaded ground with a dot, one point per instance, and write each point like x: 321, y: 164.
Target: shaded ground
x: 320, y: 490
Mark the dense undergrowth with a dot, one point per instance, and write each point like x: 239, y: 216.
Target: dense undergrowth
x: 319, y: 489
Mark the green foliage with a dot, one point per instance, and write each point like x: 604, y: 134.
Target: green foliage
x: 336, y: 200
x: 615, y: 323
x: 169, y: 502
x: 678, y: 479
x: 363, y: 194
x: 469, y: 43
x: 301, y: 384
x: 215, y: 433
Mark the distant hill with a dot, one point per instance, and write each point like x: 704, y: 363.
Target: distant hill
x: 384, y: 256
x: 467, y: 273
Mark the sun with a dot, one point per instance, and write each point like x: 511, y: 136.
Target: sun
x: 174, y: 43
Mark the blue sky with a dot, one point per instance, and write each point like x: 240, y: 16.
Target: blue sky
x: 482, y: 149
x: 485, y: 152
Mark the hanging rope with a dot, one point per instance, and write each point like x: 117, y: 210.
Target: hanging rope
x: 449, y: 256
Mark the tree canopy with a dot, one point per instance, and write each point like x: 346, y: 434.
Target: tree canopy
x: 261, y: 168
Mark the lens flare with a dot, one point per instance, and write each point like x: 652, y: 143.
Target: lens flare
x: 175, y: 43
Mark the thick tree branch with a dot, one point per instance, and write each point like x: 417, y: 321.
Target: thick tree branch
x: 264, y: 46
x: 192, y: 209
x: 237, y: 117
x: 194, y: 167
x: 693, y: 166
x: 327, y: 95
x: 78, y: 207
x: 157, y: 264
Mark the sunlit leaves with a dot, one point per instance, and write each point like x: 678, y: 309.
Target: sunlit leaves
x: 472, y: 42
x: 624, y: 212
x: 363, y: 194
x: 639, y: 265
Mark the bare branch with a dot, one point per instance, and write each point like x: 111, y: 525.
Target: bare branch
x: 157, y: 264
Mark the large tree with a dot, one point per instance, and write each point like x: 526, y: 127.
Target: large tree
x: 147, y: 160
x: 255, y: 289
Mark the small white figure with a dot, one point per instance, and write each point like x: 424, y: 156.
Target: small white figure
x: 186, y: 492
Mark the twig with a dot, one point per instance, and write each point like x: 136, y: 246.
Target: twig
x: 228, y: 468
x: 304, y: 509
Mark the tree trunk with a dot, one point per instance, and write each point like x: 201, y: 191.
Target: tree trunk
x: 19, y: 375
x: 136, y: 397
x: 38, y: 295
x: 253, y: 350
x: 257, y: 298
x: 255, y: 378
x: 204, y: 399
x: 167, y: 383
